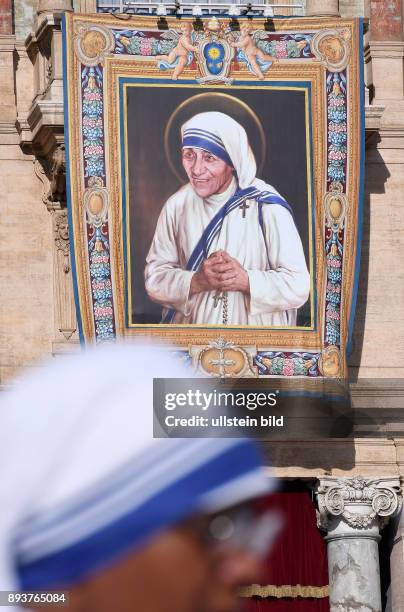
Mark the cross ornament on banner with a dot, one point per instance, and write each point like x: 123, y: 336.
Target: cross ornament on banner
x: 222, y: 362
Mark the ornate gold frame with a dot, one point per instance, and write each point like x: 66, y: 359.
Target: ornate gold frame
x: 314, y: 71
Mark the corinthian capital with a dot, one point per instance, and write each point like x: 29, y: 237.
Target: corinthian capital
x: 361, y: 502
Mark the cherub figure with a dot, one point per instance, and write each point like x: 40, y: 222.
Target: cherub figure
x: 181, y: 55
x: 252, y: 54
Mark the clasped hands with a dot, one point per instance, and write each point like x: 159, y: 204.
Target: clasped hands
x: 220, y: 272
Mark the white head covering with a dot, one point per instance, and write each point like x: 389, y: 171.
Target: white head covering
x: 215, y: 132
x: 83, y: 481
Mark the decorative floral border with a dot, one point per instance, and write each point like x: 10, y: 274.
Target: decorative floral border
x: 281, y: 363
x: 149, y: 44
x: 92, y: 109
x: 336, y: 182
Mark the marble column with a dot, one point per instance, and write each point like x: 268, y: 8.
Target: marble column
x: 322, y: 8
x: 397, y: 562
x: 352, y: 511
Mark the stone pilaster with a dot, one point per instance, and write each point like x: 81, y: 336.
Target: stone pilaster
x: 352, y: 511
x: 386, y: 20
x: 387, y: 70
x: 41, y: 129
x: 54, y: 6
x: 8, y: 113
x: 53, y: 178
x: 87, y: 6
x: 353, y: 8
x: 6, y: 17
x: 387, y: 50
x: 322, y: 8
x: 379, y: 330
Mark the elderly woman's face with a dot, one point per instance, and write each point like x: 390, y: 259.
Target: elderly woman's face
x: 207, y: 173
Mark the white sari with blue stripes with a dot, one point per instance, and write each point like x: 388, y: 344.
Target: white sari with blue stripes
x: 262, y: 237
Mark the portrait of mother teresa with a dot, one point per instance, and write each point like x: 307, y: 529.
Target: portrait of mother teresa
x: 226, y: 250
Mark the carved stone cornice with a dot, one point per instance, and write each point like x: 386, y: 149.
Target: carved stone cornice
x: 39, y: 40
x: 393, y: 49
x: 43, y: 129
x: 7, y: 43
x: 373, y: 118
x: 7, y: 127
x: 360, y: 502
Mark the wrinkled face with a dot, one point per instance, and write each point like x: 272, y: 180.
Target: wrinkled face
x: 207, y: 173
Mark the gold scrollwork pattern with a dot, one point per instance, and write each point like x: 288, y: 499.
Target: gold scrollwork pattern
x: 96, y: 205
x: 92, y: 43
x: 335, y: 204
x: 333, y: 48
x: 330, y: 362
x: 223, y: 359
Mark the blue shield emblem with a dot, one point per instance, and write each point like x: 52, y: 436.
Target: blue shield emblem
x: 214, y: 54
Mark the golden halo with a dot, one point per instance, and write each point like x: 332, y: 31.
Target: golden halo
x: 201, y: 103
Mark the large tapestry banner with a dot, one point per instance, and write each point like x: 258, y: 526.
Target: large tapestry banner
x: 215, y: 172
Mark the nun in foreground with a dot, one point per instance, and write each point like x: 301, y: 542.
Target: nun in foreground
x: 91, y: 504
x: 226, y: 249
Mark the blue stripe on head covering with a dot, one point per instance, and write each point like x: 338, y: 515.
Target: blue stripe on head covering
x: 202, y: 139
x: 61, y: 555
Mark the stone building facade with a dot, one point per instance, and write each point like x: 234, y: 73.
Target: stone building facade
x: 357, y: 481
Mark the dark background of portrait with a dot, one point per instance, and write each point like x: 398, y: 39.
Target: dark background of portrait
x: 151, y: 182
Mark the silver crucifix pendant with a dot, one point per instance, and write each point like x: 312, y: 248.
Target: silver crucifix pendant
x: 216, y: 298
x: 244, y: 206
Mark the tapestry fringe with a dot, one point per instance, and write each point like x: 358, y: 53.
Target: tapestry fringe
x: 269, y: 590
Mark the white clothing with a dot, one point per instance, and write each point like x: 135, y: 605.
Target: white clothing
x: 276, y: 266
x: 78, y: 457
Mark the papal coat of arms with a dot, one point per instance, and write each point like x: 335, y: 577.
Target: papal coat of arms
x: 214, y: 49
x: 215, y: 54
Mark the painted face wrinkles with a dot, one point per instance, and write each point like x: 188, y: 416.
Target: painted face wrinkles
x: 207, y: 173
